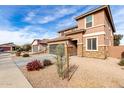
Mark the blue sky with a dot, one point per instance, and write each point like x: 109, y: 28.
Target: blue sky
x: 22, y: 24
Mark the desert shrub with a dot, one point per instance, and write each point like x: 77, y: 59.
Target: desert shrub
x: 25, y: 55
x: 121, y: 62
x: 18, y: 53
x: 19, y: 50
x: 34, y: 65
x: 47, y: 62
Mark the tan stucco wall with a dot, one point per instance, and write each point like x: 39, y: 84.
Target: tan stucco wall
x: 35, y: 42
x: 80, y: 50
x: 98, y: 19
x: 67, y: 31
x: 109, y: 33
x: 98, y: 26
x: 79, y: 38
x: 116, y: 51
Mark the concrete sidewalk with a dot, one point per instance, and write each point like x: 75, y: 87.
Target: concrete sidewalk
x: 11, y: 76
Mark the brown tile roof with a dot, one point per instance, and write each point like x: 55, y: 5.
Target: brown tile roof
x: 75, y: 32
x: 62, y: 38
x: 69, y: 28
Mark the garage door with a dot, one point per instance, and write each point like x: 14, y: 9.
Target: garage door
x: 35, y: 48
x: 52, y: 48
x: 6, y: 48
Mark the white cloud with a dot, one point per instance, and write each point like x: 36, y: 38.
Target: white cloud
x: 23, y: 35
x: 54, y: 14
x: 30, y: 16
x: 15, y: 36
x: 65, y: 23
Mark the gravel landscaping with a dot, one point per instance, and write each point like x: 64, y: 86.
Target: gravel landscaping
x: 90, y: 73
x: 21, y: 61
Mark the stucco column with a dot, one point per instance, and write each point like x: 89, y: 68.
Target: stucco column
x: 32, y: 48
x: 11, y: 49
x: 80, y: 49
x: 47, y: 49
x: 66, y: 47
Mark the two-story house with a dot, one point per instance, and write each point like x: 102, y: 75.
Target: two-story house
x: 91, y: 37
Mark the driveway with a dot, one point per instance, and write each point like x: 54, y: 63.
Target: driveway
x: 4, y: 55
x: 10, y: 75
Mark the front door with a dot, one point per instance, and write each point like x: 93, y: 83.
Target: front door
x: 74, y: 48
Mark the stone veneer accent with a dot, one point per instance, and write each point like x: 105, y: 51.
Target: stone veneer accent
x: 95, y: 54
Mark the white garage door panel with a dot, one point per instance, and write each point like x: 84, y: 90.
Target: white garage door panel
x: 35, y: 48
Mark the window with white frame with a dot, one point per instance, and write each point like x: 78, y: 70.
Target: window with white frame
x: 89, y: 22
x: 92, y: 43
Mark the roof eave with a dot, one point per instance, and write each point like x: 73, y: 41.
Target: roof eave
x: 59, y: 40
x: 91, y: 11
x: 111, y: 18
x: 67, y: 29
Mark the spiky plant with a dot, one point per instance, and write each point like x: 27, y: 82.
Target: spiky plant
x: 60, y: 63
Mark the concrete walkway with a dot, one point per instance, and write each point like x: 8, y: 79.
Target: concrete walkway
x: 10, y: 75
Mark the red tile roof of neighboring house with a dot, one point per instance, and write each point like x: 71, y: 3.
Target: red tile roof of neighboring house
x: 8, y: 44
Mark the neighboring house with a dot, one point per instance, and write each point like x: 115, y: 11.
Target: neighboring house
x: 39, y: 45
x: 91, y: 37
x: 7, y: 47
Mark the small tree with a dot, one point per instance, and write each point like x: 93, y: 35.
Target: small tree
x: 17, y: 47
x: 117, y: 38
x: 27, y: 47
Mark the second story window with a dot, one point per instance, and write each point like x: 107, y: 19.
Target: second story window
x: 89, y: 22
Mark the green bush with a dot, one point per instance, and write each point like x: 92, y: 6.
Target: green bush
x: 121, y: 62
x: 25, y: 55
x: 47, y: 62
